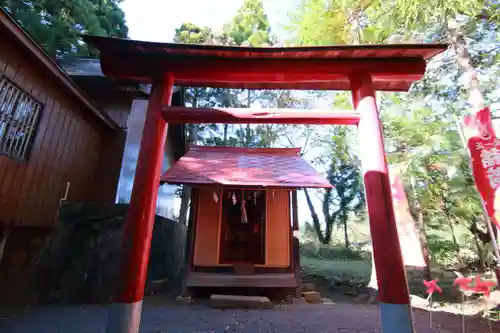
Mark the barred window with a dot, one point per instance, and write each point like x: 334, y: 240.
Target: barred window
x: 19, y: 115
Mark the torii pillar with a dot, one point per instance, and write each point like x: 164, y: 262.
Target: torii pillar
x: 393, y: 291
x: 125, y: 312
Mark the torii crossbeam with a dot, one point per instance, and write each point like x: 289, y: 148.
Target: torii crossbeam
x: 183, y: 115
x: 360, y: 69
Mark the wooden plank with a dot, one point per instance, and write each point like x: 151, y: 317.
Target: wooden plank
x: 35, y: 162
x: 295, y: 213
x: 8, y: 167
x: 36, y: 152
x: 73, y: 175
x: 38, y: 194
x: 290, y: 239
x: 55, y: 181
x: 278, y: 280
x: 62, y: 179
x: 181, y: 115
x: 45, y: 196
x: 207, y: 228
x: 65, y: 138
x: 277, y: 226
x: 296, y: 245
x: 66, y: 171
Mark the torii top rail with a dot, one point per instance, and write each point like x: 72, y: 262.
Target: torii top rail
x: 362, y: 69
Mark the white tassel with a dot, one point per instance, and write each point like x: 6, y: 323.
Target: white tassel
x: 216, y: 198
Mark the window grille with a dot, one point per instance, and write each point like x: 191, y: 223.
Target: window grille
x: 19, y: 114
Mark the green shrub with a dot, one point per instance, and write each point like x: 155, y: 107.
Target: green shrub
x: 332, y: 252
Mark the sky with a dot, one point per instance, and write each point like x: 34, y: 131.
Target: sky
x: 156, y: 20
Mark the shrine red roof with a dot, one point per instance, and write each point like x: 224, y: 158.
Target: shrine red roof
x: 245, y: 167
x: 393, y: 66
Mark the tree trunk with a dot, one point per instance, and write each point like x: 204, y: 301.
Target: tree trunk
x: 464, y: 61
x: 314, y: 216
x: 450, y: 223
x: 346, y: 236
x: 225, y: 134
x: 248, y: 136
x: 480, y: 253
x: 355, y: 29
x: 453, y: 235
x: 329, y: 218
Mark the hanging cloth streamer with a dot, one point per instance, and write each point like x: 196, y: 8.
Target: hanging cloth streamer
x: 244, y: 218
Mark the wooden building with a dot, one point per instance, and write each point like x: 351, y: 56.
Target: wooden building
x: 241, y: 229
x: 63, y: 135
x: 125, y: 102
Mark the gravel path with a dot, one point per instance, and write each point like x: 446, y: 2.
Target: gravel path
x: 197, y: 319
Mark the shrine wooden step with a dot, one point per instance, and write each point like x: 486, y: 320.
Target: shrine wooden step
x: 239, y: 302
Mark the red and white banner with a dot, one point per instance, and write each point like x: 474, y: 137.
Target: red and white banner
x: 484, y: 149
x: 411, y: 248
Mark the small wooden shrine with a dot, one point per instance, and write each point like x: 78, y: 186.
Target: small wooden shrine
x: 243, y: 214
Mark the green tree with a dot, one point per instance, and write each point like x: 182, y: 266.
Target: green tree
x: 330, y: 22
x: 190, y: 33
x: 58, y: 25
x: 420, y: 127
x: 347, y: 195
x: 250, y: 26
x: 344, y: 22
x: 438, y: 174
x: 452, y: 21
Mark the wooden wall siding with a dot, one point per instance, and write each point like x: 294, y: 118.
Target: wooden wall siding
x: 206, y: 247
x: 66, y: 147
x: 278, y: 228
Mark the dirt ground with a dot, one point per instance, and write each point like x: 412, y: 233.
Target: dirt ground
x: 171, y: 317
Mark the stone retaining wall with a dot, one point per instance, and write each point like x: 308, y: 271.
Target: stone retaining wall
x: 81, y: 259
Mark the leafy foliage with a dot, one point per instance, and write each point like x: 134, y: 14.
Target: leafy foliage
x: 250, y: 26
x: 58, y: 25
x: 421, y: 127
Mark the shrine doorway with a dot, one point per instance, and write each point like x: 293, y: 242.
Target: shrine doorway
x: 243, y: 221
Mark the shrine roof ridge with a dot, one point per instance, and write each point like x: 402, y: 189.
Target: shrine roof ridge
x: 246, y: 150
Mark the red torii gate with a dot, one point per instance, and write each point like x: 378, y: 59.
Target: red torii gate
x: 360, y: 69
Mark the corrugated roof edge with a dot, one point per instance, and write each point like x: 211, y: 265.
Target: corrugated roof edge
x: 32, y: 46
